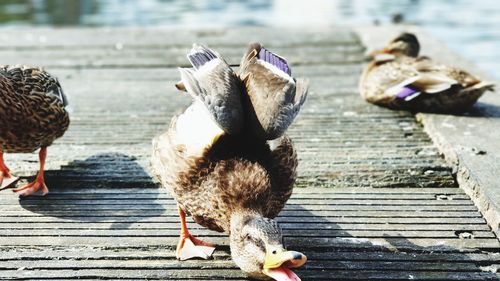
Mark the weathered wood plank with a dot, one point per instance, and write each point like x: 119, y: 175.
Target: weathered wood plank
x: 398, y: 242
x: 161, y: 233
x: 285, y: 213
x: 166, y: 253
x: 165, y: 57
x: 423, y: 226
x: 318, y: 192
x: 99, y: 37
x: 134, y: 274
x: 294, y: 204
x: 312, y: 220
x: 130, y: 264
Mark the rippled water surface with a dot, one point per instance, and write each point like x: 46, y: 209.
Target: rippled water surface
x: 470, y: 27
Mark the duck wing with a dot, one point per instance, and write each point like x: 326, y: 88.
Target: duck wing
x: 274, y: 96
x: 26, y: 81
x: 433, y: 79
x: 215, y: 84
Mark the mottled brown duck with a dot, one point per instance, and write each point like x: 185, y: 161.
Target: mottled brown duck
x: 234, y: 181
x: 398, y: 78
x: 32, y: 115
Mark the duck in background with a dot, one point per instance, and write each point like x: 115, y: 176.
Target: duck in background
x: 226, y: 159
x: 398, y: 78
x: 32, y: 115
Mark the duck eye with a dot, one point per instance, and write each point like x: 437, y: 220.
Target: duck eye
x: 274, y: 252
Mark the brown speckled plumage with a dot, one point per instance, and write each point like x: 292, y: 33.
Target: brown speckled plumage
x: 32, y: 109
x: 237, y: 173
x: 399, y: 62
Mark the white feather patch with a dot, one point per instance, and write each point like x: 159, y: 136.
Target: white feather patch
x: 394, y: 90
x: 196, y: 130
x: 276, y: 70
x: 384, y: 57
x: 207, y: 68
x: 434, y: 83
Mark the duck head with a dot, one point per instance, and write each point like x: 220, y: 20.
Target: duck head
x: 405, y: 44
x: 257, y: 248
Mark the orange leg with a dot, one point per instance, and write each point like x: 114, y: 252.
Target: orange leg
x: 6, y: 178
x: 37, y: 186
x: 190, y: 246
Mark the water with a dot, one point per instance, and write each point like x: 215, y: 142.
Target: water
x: 472, y: 28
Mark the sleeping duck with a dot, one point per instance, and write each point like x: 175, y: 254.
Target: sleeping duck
x: 227, y: 162
x: 398, y: 78
x: 32, y: 115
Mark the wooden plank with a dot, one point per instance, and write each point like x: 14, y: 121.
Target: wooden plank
x: 285, y: 213
x: 158, y: 274
x: 298, y: 243
x: 294, y: 204
x: 311, y: 220
x: 167, y: 253
x: 96, y: 195
x: 23, y: 224
x: 173, y: 264
x: 291, y: 208
x: 161, y: 233
x: 353, y: 192
x: 97, y: 37
x: 164, y: 57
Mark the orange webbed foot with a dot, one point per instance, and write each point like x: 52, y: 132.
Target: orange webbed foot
x: 7, y: 180
x: 192, y: 247
x: 35, y: 188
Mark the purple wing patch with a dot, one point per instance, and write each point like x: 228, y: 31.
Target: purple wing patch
x: 275, y: 60
x: 199, y: 58
x: 407, y: 93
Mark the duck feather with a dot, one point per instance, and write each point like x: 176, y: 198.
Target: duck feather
x: 214, y: 83
x: 274, y: 96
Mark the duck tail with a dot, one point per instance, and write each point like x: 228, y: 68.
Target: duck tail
x: 484, y: 85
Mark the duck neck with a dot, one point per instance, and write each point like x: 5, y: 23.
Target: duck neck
x: 241, y: 217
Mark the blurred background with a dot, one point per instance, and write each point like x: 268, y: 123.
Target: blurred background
x: 470, y: 27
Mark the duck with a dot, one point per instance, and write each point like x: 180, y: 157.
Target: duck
x: 398, y: 78
x: 32, y: 115
x: 226, y: 172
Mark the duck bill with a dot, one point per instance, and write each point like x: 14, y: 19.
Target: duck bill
x: 278, y: 263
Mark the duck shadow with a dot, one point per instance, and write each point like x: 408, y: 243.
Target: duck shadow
x: 361, y: 248
x: 108, y: 187
x: 479, y: 109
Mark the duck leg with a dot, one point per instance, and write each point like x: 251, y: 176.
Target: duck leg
x: 37, y: 186
x: 6, y: 178
x: 190, y: 246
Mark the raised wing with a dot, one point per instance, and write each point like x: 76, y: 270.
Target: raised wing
x: 274, y: 96
x: 214, y: 83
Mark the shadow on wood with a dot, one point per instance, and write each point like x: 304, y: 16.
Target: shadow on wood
x: 84, y: 191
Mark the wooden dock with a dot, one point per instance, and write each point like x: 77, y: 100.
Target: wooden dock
x: 374, y: 200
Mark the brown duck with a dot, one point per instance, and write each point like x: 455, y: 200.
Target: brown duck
x: 32, y: 116
x: 398, y: 78
x: 228, y: 177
